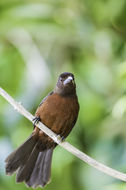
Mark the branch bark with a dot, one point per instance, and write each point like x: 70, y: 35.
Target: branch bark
x: 81, y: 155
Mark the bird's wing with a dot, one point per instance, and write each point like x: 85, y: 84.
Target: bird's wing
x: 43, y: 100
x: 37, y: 116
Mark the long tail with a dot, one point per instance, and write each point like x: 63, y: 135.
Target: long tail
x: 33, y: 165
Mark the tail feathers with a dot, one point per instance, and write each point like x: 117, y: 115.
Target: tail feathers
x: 19, y: 156
x: 34, y: 165
x: 25, y: 170
x: 37, y: 169
x: 42, y: 170
x: 46, y: 170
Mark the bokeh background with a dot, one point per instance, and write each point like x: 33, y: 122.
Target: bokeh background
x: 39, y: 40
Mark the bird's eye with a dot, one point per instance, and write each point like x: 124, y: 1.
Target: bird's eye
x: 61, y: 79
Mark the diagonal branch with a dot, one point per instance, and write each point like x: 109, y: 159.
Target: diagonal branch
x: 82, y: 156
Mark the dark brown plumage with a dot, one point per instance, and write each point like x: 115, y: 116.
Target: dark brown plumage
x: 59, y: 112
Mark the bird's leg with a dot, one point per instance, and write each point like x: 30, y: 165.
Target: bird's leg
x: 36, y: 120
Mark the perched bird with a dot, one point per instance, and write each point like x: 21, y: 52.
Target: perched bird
x: 59, y: 112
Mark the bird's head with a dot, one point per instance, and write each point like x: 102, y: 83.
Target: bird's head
x: 66, y: 85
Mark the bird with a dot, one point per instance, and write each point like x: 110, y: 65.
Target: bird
x: 59, y: 112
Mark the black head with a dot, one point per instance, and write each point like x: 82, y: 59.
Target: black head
x: 66, y: 84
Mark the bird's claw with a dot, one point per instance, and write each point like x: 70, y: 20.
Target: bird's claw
x: 36, y: 120
x: 60, y: 138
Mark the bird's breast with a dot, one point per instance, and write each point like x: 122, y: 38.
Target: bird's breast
x: 59, y: 113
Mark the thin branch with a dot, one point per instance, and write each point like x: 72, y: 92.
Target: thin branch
x: 82, y: 156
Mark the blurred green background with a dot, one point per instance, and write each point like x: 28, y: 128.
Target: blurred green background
x: 39, y: 40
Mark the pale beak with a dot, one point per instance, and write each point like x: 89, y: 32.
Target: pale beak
x: 68, y: 80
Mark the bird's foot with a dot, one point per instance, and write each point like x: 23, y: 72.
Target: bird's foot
x: 60, y: 138
x: 36, y: 120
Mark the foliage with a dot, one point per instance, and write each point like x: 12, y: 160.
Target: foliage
x: 38, y: 41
